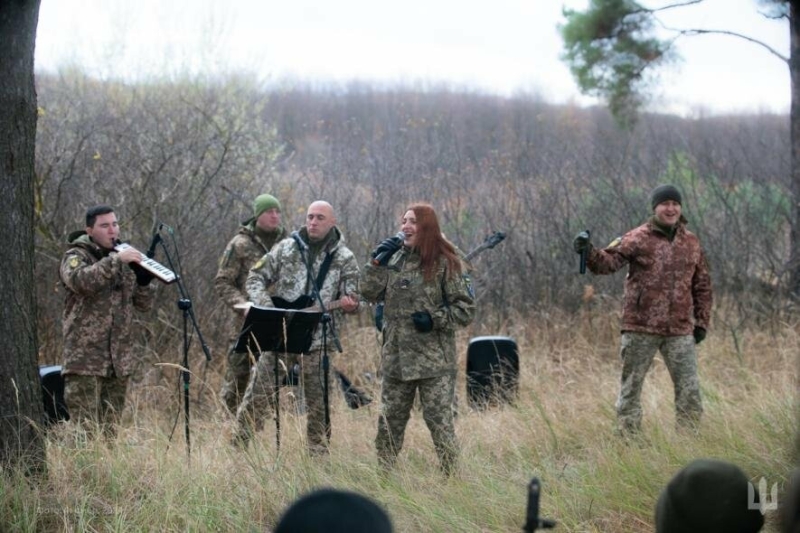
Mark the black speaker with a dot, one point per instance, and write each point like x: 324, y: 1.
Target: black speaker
x: 492, y: 371
x: 52, y: 382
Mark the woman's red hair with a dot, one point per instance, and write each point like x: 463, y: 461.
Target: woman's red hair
x: 431, y: 243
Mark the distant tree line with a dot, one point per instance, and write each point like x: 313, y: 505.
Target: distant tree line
x: 193, y: 155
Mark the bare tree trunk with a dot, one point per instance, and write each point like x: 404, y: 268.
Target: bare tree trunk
x: 21, y: 406
x: 794, y: 119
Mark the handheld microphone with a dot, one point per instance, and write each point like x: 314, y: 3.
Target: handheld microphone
x: 299, y: 240
x: 584, y: 255
x: 378, y: 259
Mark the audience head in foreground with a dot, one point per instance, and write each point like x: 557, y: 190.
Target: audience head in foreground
x: 334, y: 511
x: 708, y: 496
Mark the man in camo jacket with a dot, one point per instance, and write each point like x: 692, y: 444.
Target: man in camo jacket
x: 255, y: 238
x: 666, y: 305
x: 102, y: 289
x: 282, y: 273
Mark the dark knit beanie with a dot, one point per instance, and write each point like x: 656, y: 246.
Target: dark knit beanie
x: 334, y: 511
x: 265, y: 202
x: 662, y: 193
x: 708, y: 496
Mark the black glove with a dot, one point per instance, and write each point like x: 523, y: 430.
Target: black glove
x: 385, y: 250
x: 422, y: 321
x: 143, y: 276
x: 582, y: 242
x: 699, y: 334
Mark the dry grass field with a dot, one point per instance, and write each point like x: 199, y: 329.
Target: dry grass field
x: 560, y: 430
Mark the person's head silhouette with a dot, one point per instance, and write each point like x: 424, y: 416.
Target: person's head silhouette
x: 708, y: 496
x: 334, y: 511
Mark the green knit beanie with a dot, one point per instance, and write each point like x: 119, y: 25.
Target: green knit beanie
x: 265, y: 202
x: 708, y: 496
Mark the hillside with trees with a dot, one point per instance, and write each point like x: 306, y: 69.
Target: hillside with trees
x: 193, y: 156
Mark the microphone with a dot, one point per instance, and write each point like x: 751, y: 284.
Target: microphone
x: 378, y: 259
x: 583, y: 257
x: 151, y: 251
x: 299, y: 240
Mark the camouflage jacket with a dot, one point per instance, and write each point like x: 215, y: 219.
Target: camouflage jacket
x: 242, y: 252
x: 668, y: 286
x: 282, y: 273
x: 97, y: 310
x: 408, y: 354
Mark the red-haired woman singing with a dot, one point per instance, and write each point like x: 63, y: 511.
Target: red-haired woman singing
x: 427, y: 295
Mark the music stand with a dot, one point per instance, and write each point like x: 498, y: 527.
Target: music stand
x: 263, y: 330
x: 272, y: 329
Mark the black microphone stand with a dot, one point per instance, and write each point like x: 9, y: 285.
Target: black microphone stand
x: 185, y: 305
x: 532, y: 519
x: 277, y: 399
x: 327, y: 323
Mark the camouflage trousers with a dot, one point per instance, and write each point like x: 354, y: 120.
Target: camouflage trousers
x: 95, y: 401
x: 680, y: 356
x: 261, y: 394
x: 237, y: 374
x: 397, y: 399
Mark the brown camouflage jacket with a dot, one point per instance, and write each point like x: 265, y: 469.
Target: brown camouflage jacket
x: 282, y: 273
x: 242, y: 252
x: 101, y: 293
x: 408, y: 354
x: 668, y: 286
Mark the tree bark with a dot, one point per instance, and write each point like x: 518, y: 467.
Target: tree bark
x: 21, y: 406
x: 794, y: 120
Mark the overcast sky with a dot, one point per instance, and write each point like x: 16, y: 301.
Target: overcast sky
x: 501, y: 46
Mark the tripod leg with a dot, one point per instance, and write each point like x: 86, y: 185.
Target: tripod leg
x: 277, y: 400
x: 313, y: 379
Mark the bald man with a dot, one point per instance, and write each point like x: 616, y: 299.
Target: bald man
x: 282, y: 273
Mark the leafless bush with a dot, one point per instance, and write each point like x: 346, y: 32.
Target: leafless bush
x: 193, y: 156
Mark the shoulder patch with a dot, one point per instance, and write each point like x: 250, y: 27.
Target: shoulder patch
x: 614, y: 243
x: 74, y: 261
x: 260, y: 263
x: 468, y: 282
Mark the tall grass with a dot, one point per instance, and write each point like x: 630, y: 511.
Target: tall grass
x: 560, y: 430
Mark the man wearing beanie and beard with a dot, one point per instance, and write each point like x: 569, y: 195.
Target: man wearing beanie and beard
x: 255, y: 237
x: 666, y: 305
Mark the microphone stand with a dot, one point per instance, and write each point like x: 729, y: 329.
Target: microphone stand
x: 532, y: 519
x: 185, y: 305
x: 278, y: 399
x: 326, y: 323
